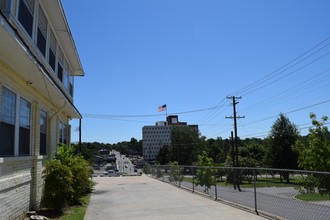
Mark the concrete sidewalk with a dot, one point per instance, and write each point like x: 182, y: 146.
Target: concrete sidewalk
x: 142, y: 197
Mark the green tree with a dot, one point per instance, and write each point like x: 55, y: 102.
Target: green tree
x: 315, y: 155
x: 157, y: 170
x: 282, y: 137
x: 176, y: 172
x: 205, y: 176
x: 185, y: 144
x: 163, y: 156
x: 252, y: 155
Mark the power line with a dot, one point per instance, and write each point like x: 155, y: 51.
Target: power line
x: 274, y: 116
x: 104, y: 116
x: 304, y: 66
x: 275, y: 72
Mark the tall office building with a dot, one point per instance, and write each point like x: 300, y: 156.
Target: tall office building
x: 156, y: 136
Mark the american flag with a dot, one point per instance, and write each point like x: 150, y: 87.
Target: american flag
x: 162, y: 108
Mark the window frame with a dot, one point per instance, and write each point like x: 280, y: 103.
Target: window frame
x: 42, y: 31
x: 60, y: 64
x: 43, y: 132
x: 24, y: 126
x: 8, y: 126
x: 52, y: 51
x: 26, y: 18
x: 63, y: 133
x: 18, y: 147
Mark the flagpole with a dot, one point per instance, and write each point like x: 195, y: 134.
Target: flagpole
x: 166, y: 114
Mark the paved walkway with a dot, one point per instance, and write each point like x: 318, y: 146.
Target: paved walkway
x: 142, y: 197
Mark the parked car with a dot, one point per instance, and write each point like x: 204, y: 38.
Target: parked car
x: 111, y: 173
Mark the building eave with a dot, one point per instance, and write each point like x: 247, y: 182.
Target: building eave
x: 59, y: 21
x: 16, y: 56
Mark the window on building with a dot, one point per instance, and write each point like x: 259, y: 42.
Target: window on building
x: 24, y: 127
x: 62, y: 133
x: 52, y: 50
x: 42, y: 32
x: 43, y: 132
x: 66, y: 76
x: 60, y: 65
x: 71, y: 85
x: 2, y: 5
x: 25, y: 15
x: 14, y: 107
x: 7, y: 123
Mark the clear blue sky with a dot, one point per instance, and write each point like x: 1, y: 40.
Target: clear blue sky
x: 190, y: 55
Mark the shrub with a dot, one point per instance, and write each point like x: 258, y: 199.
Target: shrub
x: 67, y: 179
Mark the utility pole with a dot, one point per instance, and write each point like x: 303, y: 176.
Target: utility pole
x: 79, y: 144
x: 233, y: 156
x: 235, y: 162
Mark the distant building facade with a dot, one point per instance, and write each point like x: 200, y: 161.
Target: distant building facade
x: 38, y: 64
x: 159, y: 135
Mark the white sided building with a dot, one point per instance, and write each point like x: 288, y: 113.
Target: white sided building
x: 154, y: 138
x: 38, y: 64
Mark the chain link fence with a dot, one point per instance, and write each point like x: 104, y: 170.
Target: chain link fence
x: 279, y: 194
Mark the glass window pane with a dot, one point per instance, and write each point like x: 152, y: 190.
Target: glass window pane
x: 42, y: 22
x: 43, y: 133
x: 7, y: 133
x: 30, y: 5
x: 66, y: 76
x: 60, y: 65
x: 52, y: 50
x: 7, y: 123
x: 65, y: 131
x: 42, y: 32
x: 24, y: 130
x: 24, y: 141
x: 52, y: 41
x: 25, y: 15
x: 24, y: 114
x: 8, y: 106
x: 43, y: 121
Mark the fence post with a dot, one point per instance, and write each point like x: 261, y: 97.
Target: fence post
x: 255, y: 191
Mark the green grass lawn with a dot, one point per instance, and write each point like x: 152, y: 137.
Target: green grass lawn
x: 76, y: 212
x: 313, y: 197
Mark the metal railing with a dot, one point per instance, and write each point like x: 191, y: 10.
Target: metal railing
x: 277, y: 193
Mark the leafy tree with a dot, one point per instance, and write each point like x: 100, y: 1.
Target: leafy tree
x: 147, y: 169
x: 163, y: 156
x: 205, y: 176
x: 316, y: 154
x: 252, y: 155
x: 176, y: 172
x: 157, y: 171
x: 185, y: 144
x: 282, y: 137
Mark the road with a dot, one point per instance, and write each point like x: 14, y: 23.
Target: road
x: 275, y: 200
x: 124, y: 164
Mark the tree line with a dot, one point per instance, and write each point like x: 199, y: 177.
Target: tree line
x: 283, y: 148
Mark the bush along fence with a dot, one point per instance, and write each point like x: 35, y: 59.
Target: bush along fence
x: 279, y: 193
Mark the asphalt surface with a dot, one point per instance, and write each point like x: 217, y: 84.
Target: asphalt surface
x: 142, y: 197
x: 277, y: 201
